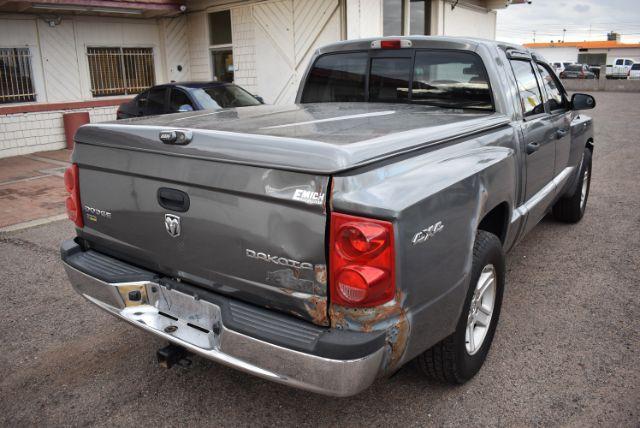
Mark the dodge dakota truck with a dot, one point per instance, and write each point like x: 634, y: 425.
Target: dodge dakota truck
x: 327, y: 243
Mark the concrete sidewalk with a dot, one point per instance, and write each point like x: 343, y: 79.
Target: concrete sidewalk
x: 32, y: 188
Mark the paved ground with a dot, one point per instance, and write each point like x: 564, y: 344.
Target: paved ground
x: 31, y: 187
x: 566, y: 351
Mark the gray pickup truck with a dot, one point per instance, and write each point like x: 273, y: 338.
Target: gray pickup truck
x: 327, y: 243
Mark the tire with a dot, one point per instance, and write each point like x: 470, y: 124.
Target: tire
x: 450, y: 360
x: 570, y: 209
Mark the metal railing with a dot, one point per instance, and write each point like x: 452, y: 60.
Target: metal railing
x: 120, y: 71
x: 16, y: 82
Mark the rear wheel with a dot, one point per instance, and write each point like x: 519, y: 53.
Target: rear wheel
x: 571, y: 209
x: 459, y: 357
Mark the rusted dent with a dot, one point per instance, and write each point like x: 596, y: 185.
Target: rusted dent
x: 317, y: 309
x: 389, y: 317
x: 288, y: 280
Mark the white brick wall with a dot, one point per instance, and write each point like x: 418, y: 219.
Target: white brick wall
x: 243, y: 36
x: 23, y: 133
x: 198, y: 46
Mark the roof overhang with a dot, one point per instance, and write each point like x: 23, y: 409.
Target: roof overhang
x: 122, y: 8
x: 502, y: 4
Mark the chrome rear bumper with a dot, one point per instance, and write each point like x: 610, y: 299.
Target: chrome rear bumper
x: 197, y: 326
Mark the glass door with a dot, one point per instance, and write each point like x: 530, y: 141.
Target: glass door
x: 222, y: 65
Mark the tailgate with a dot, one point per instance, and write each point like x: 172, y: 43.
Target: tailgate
x: 257, y: 234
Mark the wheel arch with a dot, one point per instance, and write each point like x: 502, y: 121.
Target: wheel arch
x: 496, y: 221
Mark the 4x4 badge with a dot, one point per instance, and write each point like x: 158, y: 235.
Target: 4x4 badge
x: 172, y: 224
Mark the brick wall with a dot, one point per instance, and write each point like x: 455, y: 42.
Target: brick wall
x: 198, y: 40
x: 244, y: 48
x: 23, y: 133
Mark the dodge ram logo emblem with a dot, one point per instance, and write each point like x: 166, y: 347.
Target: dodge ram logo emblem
x: 172, y: 224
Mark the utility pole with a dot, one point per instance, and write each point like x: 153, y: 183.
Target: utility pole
x: 564, y: 31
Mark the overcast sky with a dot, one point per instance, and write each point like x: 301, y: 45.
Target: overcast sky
x: 583, y: 20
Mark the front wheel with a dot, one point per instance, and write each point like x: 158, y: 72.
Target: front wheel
x: 458, y: 358
x: 571, y: 208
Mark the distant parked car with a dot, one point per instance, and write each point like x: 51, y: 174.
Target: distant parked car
x: 620, y: 68
x: 187, y: 96
x: 634, y: 73
x: 577, y: 71
x: 559, y: 67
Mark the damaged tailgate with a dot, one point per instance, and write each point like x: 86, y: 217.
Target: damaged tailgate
x: 254, y: 233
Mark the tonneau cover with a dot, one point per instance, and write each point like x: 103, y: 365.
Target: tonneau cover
x: 313, y: 138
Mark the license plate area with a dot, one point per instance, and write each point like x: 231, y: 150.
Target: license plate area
x: 177, y: 314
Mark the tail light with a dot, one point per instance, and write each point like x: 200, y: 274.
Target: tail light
x: 72, y: 184
x: 362, y: 261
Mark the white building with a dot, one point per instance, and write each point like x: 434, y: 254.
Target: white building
x: 59, y: 56
x: 592, y: 53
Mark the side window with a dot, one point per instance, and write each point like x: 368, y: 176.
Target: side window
x: 141, y: 100
x: 552, y: 87
x: 155, y: 101
x: 178, y: 98
x: 628, y: 62
x: 619, y: 62
x: 530, y: 96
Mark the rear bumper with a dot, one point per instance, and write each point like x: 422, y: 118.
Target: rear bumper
x: 198, y: 325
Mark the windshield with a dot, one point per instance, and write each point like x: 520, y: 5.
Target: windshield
x: 430, y: 77
x: 573, y: 68
x: 224, y: 96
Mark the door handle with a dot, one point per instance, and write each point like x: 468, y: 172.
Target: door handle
x: 532, y: 147
x: 561, y: 133
x: 173, y: 199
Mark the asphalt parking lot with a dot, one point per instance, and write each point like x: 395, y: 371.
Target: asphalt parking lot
x: 566, y: 352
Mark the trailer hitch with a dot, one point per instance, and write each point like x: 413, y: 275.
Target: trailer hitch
x: 171, y: 355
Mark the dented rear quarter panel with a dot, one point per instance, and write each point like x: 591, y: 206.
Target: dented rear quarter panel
x: 455, y: 183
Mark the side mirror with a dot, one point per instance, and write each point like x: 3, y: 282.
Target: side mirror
x: 582, y: 102
x: 259, y: 98
x: 185, y: 107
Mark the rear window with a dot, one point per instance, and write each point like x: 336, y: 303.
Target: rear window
x: 441, y: 78
x: 337, y: 78
x: 573, y: 68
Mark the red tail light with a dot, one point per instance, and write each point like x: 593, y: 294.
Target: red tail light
x: 362, y: 261
x: 72, y: 184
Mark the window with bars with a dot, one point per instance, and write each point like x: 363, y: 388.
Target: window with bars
x: 16, y: 79
x: 120, y: 71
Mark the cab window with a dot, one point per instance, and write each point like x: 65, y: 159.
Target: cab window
x: 530, y: 95
x: 552, y: 87
x: 337, y: 78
